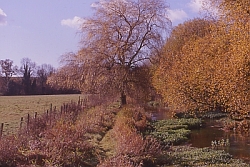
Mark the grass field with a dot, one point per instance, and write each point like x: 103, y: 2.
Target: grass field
x: 12, y: 108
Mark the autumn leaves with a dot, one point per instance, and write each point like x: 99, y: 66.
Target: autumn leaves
x: 206, y: 63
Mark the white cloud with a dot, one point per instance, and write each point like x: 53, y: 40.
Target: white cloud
x: 2, y: 17
x: 104, y: 3
x: 203, y: 6
x: 76, y: 22
x: 100, y: 3
x: 94, y: 5
x: 177, y: 15
x: 196, y: 5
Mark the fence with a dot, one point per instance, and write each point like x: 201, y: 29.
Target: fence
x: 50, y: 115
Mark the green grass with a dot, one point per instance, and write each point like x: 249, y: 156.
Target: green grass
x: 12, y: 108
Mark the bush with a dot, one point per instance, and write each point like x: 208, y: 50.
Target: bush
x: 10, y: 154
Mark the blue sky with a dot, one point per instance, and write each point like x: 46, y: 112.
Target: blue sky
x: 43, y: 30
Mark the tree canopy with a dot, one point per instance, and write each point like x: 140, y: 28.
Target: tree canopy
x: 120, y: 38
x: 208, y: 69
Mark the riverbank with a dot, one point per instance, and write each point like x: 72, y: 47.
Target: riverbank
x: 105, y: 136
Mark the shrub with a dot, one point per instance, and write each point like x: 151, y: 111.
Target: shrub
x: 9, y: 151
x: 65, y: 145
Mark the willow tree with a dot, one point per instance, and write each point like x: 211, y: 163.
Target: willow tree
x: 120, y: 38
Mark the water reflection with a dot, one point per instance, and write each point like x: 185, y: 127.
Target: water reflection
x: 203, y: 137
x: 239, y: 143
x: 162, y: 113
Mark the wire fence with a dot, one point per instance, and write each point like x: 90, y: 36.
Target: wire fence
x: 50, y: 116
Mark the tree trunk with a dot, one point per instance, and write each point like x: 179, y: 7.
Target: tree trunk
x: 123, y: 98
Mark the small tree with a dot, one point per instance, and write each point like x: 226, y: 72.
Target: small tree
x: 7, y: 69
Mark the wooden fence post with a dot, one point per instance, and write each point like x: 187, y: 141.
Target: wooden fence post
x: 35, y: 116
x: 79, y: 101
x: 61, y: 110
x: 50, y: 116
x: 1, y: 130
x: 21, y: 123
x: 51, y: 107
x: 54, y: 112
x: 28, y: 122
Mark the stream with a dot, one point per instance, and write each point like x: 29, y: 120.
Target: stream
x: 239, y: 143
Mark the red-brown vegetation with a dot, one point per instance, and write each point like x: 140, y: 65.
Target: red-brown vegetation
x: 131, y: 147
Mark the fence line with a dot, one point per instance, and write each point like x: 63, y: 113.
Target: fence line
x: 51, y: 114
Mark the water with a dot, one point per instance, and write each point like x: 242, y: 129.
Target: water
x: 239, y: 143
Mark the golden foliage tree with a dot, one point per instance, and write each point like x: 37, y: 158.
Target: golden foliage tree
x: 209, y: 70
x: 175, y: 77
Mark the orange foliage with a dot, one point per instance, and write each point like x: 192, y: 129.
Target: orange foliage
x: 208, y: 69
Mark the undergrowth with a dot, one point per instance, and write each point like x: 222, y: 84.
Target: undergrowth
x: 106, y: 136
x: 57, y: 139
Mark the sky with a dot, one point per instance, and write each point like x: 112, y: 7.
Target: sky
x: 44, y: 30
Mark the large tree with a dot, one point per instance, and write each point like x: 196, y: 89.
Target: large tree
x: 179, y: 77
x: 208, y: 69
x: 121, y: 37
x: 27, y: 69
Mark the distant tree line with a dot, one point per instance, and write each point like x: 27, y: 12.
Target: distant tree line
x: 28, y: 79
